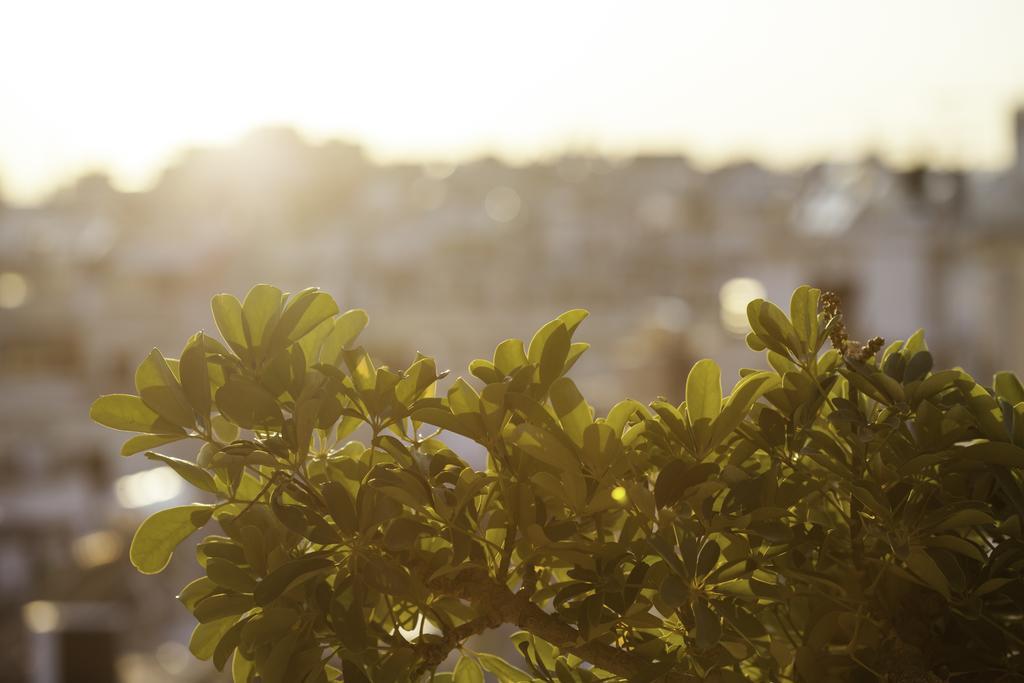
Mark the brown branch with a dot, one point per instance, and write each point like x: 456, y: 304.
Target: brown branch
x: 433, y: 653
x: 499, y: 605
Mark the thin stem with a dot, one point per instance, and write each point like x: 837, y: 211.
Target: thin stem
x: 258, y: 496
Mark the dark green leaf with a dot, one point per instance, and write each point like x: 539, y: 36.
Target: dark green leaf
x: 288, y: 575
x: 188, y: 471
x: 248, y: 405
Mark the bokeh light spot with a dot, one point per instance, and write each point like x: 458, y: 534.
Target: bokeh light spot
x: 502, y: 204
x: 40, y: 616
x: 13, y: 290
x: 146, y: 488
x: 173, y: 657
x: 96, y: 549
x: 734, y: 297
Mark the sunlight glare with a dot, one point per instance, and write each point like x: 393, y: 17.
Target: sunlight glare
x: 146, y: 488
x: 13, y: 290
x: 40, y: 616
x: 734, y: 297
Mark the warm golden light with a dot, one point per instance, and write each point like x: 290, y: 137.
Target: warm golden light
x: 619, y: 494
x: 424, y: 625
x: 110, y: 86
x: 96, y: 549
x: 502, y: 204
x: 13, y: 290
x: 173, y: 657
x: 40, y: 616
x: 146, y: 488
x: 734, y: 297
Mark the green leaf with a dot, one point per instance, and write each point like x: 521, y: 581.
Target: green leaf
x: 159, y: 389
x: 917, y: 367
x: 922, y: 564
x: 361, y: 369
x: 485, y: 371
x: 704, y: 391
x: 195, y: 591
x: 554, y: 355
x: 957, y: 545
x: 215, y: 547
x: 306, y: 311
x: 622, y: 411
x: 803, y: 309
x: 467, y: 671
x: 737, y: 406
x: 772, y: 327
x: 463, y: 399
x: 915, y: 344
x: 352, y: 672
x: 195, y: 376
x: 144, y: 442
x: 206, y: 636
x: 994, y: 453
x: 549, y: 349
x: 288, y: 575
x: 340, y: 506
x: 224, y: 429
x: 274, y: 668
x: 227, y: 313
x: 571, y: 408
x: 248, y: 405
x: 576, y: 349
x: 505, y: 672
x: 708, y: 625
x: 242, y: 669
x: 754, y: 342
x: 417, y: 381
x: 546, y: 448
x: 1008, y: 387
x: 962, y: 519
x: 677, y: 476
x: 229, y: 575
x: 346, y: 328
x: 188, y: 471
x: 443, y: 418
x: 707, y: 558
x: 260, y: 312
x: 222, y: 605
x: 268, y: 625
x: 128, y: 413
x: 992, y: 585
x: 572, y: 318
x: 493, y: 406
x: 158, y: 536
x: 403, y: 532
x: 509, y: 356
x: 228, y: 645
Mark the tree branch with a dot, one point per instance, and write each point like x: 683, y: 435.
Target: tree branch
x: 434, y: 653
x: 499, y: 605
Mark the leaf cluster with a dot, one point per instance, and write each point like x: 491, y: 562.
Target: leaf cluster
x: 843, y: 516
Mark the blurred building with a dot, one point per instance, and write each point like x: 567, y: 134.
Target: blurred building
x: 450, y: 261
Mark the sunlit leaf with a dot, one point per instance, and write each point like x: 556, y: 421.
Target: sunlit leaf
x: 158, y: 536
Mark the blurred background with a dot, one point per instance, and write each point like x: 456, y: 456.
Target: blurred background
x: 465, y: 172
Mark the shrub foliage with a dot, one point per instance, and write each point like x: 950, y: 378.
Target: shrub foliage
x: 850, y: 514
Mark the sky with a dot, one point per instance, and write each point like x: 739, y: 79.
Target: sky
x: 124, y: 85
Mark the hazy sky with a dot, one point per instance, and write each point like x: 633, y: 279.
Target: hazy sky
x: 124, y: 84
